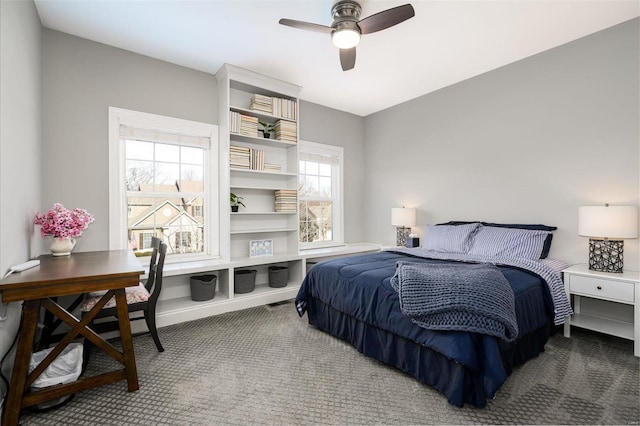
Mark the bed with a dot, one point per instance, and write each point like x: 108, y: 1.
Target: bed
x: 354, y: 299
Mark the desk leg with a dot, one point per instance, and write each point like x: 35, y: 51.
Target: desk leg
x: 127, y: 342
x: 28, y: 325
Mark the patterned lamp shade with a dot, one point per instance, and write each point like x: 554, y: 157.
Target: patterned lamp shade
x: 403, y: 219
x: 607, y: 226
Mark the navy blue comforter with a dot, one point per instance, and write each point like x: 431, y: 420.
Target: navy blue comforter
x: 358, y: 289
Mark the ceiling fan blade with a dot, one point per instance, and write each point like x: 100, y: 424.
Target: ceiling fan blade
x: 386, y: 18
x: 306, y: 26
x: 348, y: 58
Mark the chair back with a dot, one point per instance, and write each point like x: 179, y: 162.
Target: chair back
x: 156, y: 266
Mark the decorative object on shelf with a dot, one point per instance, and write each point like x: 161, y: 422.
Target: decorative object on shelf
x: 607, y: 226
x: 235, y: 201
x: 413, y: 241
x: 63, y: 225
x: 259, y: 248
x: 267, y: 128
x: 244, y: 280
x: 403, y: 219
x: 203, y: 287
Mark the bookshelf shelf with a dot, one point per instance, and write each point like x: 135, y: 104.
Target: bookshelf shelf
x: 263, y: 116
x: 234, y: 170
x: 256, y: 187
x: 261, y: 141
x: 258, y: 231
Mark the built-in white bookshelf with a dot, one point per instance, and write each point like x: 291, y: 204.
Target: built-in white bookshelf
x: 259, y: 220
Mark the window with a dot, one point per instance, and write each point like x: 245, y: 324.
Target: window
x: 320, y: 195
x: 183, y: 240
x: 145, y: 240
x: 163, y: 171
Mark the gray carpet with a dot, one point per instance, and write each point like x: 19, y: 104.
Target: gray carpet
x: 267, y: 366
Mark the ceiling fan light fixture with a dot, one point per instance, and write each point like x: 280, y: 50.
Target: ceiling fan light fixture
x: 345, y: 38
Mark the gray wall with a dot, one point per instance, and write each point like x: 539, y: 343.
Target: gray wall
x: 528, y: 143
x: 80, y: 80
x: 332, y: 127
x: 20, y: 143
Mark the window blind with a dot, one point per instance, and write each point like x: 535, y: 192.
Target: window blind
x: 155, y: 135
x: 319, y: 158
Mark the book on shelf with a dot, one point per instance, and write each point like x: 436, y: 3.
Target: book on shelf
x: 285, y: 108
x: 269, y: 167
x: 261, y: 103
x: 286, y: 131
x: 242, y: 157
x: 280, y: 107
x: 244, y: 125
x: 257, y: 159
x: 286, y: 200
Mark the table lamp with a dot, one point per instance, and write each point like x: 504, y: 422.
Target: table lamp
x: 403, y: 219
x: 607, y: 226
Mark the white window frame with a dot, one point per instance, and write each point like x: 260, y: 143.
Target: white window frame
x: 117, y: 180
x: 337, y: 182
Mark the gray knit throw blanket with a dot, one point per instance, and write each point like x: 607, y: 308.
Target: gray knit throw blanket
x: 463, y: 297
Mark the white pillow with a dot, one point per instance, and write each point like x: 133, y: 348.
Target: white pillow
x: 449, y: 238
x: 508, y: 242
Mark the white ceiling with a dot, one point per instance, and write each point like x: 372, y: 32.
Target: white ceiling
x: 446, y: 42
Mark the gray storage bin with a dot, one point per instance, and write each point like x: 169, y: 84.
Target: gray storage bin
x: 203, y: 287
x: 278, y: 276
x: 244, y: 280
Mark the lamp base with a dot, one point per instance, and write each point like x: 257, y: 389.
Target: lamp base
x: 606, y: 255
x: 402, y: 234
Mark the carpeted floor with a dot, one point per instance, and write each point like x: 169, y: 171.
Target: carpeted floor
x: 267, y: 366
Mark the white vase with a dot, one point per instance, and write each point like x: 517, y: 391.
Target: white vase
x: 62, y: 246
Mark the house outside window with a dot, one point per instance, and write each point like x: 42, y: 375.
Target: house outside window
x: 161, y: 170
x: 145, y: 240
x: 320, y: 195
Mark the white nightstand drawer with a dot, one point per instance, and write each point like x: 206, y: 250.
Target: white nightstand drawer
x: 602, y: 288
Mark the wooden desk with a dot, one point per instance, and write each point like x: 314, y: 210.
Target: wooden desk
x: 112, y: 270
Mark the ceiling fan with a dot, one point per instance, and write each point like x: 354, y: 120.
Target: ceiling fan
x: 347, y: 27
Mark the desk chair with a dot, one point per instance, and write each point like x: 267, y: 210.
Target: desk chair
x: 142, y: 297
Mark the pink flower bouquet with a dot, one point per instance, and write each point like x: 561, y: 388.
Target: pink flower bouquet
x: 62, y: 223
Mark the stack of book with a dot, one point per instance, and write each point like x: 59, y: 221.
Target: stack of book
x: 286, y: 200
x: 240, y: 157
x: 269, y: 167
x: 286, y: 131
x: 257, y: 159
x: 261, y: 103
x: 243, y: 124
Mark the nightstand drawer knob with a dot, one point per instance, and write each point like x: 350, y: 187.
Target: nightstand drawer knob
x: 599, y: 287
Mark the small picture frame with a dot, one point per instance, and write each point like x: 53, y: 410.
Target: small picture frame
x: 259, y: 248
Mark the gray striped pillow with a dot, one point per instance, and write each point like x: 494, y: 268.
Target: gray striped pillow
x: 449, y: 238
x: 508, y: 242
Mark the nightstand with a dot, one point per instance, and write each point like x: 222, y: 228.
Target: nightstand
x: 604, y: 302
